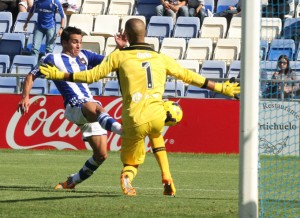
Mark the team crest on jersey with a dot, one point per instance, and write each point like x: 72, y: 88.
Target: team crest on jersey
x: 82, y: 60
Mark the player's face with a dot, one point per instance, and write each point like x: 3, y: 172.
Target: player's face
x: 73, y: 46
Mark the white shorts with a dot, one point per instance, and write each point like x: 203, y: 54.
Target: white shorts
x: 25, y: 3
x: 75, y: 115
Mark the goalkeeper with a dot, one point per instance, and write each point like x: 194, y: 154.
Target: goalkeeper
x: 142, y: 74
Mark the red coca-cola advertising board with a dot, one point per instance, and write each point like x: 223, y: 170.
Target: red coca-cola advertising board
x: 208, y: 125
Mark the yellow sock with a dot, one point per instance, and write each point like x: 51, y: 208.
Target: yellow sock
x: 130, y: 171
x: 162, y: 160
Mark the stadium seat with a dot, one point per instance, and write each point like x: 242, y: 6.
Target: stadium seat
x: 121, y: 7
x: 94, y: 7
x: 214, y: 28
x: 110, y: 45
x: 4, y: 63
x: 39, y: 87
x: 93, y: 43
x: 6, y: 22
x: 291, y: 28
x: 264, y: 49
x: 52, y: 89
x: 268, y: 68
x: 295, y: 66
x: 270, y: 28
x: 12, y: 44
x: 154, y: 42
x: 213, y: 69
x: 281, y: 47
x: 210, y: 5
x: 234, y: 69
x: 146, y: 8
x: 20, y: 21
x: 223, y: 5
x: 96, y: 88
x: 57, y: 48
x: 101, y: 27
x: 111, y: 88
x: 235, y: 28
x: 196, y: 92
x: 199, y: 49
x: 9, y: 85
x: 23, y: 64
x: 228, y: 50
x: 84, y: 22
x: 160, y: 26
x: 174, y: 89
x: 127, y: 17
x: 186, y: 27
x: 174, y: 47
x: 190, y: 64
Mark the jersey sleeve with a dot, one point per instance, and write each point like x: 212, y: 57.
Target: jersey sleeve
x: 60, y: 9
x: 93, y: 58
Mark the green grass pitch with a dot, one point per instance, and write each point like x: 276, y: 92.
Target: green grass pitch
x: 207, y: 186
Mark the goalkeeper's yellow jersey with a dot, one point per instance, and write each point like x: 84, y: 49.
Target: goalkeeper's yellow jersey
x: 142, y: 75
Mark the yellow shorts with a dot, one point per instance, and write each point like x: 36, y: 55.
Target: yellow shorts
x: 133, y: 141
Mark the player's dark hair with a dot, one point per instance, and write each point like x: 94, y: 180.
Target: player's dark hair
x: 65, y: 36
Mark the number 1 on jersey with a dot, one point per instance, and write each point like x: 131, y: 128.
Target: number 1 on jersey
x: 146, y: 66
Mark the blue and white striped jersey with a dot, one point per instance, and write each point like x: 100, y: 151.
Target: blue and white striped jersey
x: 73, y: 93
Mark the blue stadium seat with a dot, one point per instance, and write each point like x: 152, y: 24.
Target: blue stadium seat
x: 196, y: 92
x: 160, y: 26
x: 39, y: 87
x: 20, y: 21
x: 6, y: 21
x: 291, y: 28
x: 234, y: 69
x: 223, y: 5
x: 187, y: 27
x: 12, y: 44
x: 146, y: 8
x: 268, y: 68
x: 96, y: 88
x: 4, y: 63
x: 210, y: 5
x: 174, y: 89
x: 264, y: 49
x: 111, y: 88
x: 23, y: 64
x: 52, y: 89
x: 281, y: 47
x: 213, y: 69
x: 8, y: 85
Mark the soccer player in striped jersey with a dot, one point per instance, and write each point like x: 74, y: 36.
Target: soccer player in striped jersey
x: 142, y: 76
x: 80, y: 106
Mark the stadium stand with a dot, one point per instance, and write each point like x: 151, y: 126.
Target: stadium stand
x: 8, y: 85
x: 199, y: 49
x: 39, y: 87
x: 102, y: 29
x: 22, y: 64
x: 196, y: 92
x: 6, y: 22
x: 121, y: 7
x: 268, y: 68
x: 110, y: 45
x: 264, y: 49
x: 297, y: 53
x: 154, y: 42
x: 94, y: 7
x: 187, y: 27
x: 83, y: 21
x: 12, y: 44
x: 93, y: 43
x: 281, y: 47
x: 146, y: 8
x: 174, y: 47
x: 213, y: 69
x: 160, y: 26
x: 111, y: 88
x: 96, y: 88
x: 235, y: 28
x: 234, y: 69
x: 174, y: 89
x: 210, y: 5
x: 270, y: 28
x: 214, y: 28
x: 4, y: 63
x: 52, y: 89
x: 223, y: 5
x: 190, y: 64
x: 227, y: 50
x: 57, y: 48
x: 20, y: 21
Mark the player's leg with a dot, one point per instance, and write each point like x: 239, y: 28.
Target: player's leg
x: 132, y: 155
x: 93, y: 111
x: 97, y: 138
x: 159, y: 151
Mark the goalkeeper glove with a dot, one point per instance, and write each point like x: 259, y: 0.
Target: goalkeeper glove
x: 51, y: 72
x: 229, y: 88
